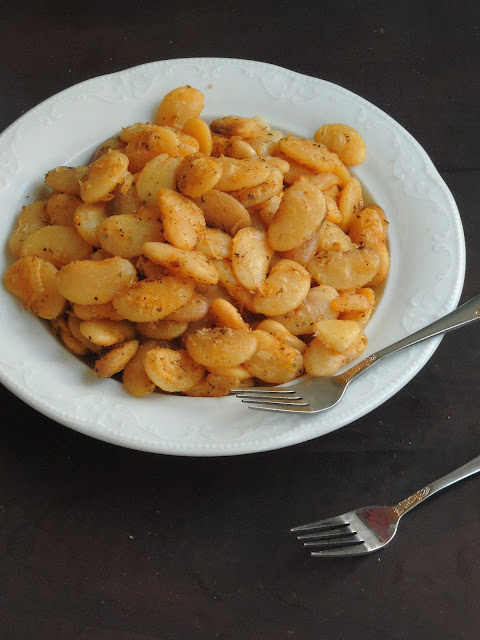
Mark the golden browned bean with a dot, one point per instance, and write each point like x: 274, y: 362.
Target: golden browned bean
x: 195, y: 309
x: 95, y: 282
x: 345, y: 269
x: 266, y: 210
x: 323, y: 181
x: 332, y: 213
x: 281, y: 333
x: 251, y: 255
x: 231, y: 283
x: 224, y: 314
x: 252, y: 196
x: 221, y: 346
x: 217, y: 386
x: 159, y: 173
x: 319, y: 360
x: 134, y: 376
x: 381, y: 249
x: 239, y: 174
x: 315, y: 307
x: 343, y: 140
x: 104, y: 311
x: 74, y: 326
x: 233, y: 147
x: 238, y: 373
x: 151, y: 300
x: 284, y: 290
x: 197, y: 174
x: 332, y: 238
x: 179, y: 106
x: 124, y: 201
x: 305, y: 252
x: 56, y: 243
x: 172, y: 371
x: 357, y: 300
x: 199, y: 129
x: 102, y: 176
x: 237, y: 126
x: 65, y: 179
x: 114, y: 143
x: 336, y: 334
x: 32, y: 217
x: 274, y: 360
x: 187, y: 264
x: 87, y: 219
x: 146, y: 141
x: 116, y: 359
x: 367, y: 228
x: 300, y: 214
x: 33, y: 281
x: 124, y: 235
x: 61, y: 208
x: 266, y: 144
x: 215, y: 244
x: 162, y: 329
x: 183, y: 221
x: 306, y: 152
x: 223, y: 211
x: 107, y: 332
x: 340, y: 170
x: 61, y: 329
x: 349, y: 202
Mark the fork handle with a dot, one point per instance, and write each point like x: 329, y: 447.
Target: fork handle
x: 466, y: 313
x: 415, y: 499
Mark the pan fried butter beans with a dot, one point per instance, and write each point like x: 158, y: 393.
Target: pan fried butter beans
x: 151, y: 300
x: 343, y: 140
x: 195, y: 258
x: 300, y: 214
x: 56, y: 243
x: 116, y: 359
x: 89, y: 282
x: 345, y: 269
x: 33, y: 216
x: 223, y: 212
x: 251, y: 255
x: 221, y: 346
x: 33, y: 281
x: 65, y: 179
x: 102, y: 176
x: 187, y: 264
x: 284, y: 290
x: 183, y: 220
x: 124, y: 235
x: 197, y: 174
x: 172, y: 371
x: 179, y: 106
x: 274, y: 360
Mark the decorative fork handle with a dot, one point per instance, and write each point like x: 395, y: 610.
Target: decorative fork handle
x: 415, y: 499
x: 466, y: 313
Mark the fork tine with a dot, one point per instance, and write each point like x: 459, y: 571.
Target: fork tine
x: 335, y: 543
x: 327, y: 523
x: 328, y: 534
x: 283, y: 403
x: 351, y: 550
x: 262, y: 390
x: 258, y: 397
x: 284, y: 407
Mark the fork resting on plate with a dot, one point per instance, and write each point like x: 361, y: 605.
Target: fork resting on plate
x: 311, y: 395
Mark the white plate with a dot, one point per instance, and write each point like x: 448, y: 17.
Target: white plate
x: 426, y: 240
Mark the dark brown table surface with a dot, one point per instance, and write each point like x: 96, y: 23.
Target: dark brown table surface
x: 103, y: 543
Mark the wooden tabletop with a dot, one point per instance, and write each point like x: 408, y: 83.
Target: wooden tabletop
x: 98, y: 542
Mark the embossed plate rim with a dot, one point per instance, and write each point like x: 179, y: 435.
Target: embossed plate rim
x: 397, y: 171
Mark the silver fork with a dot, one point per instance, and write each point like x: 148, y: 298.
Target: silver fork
x: 370, y: 528
x: 311, y: 395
